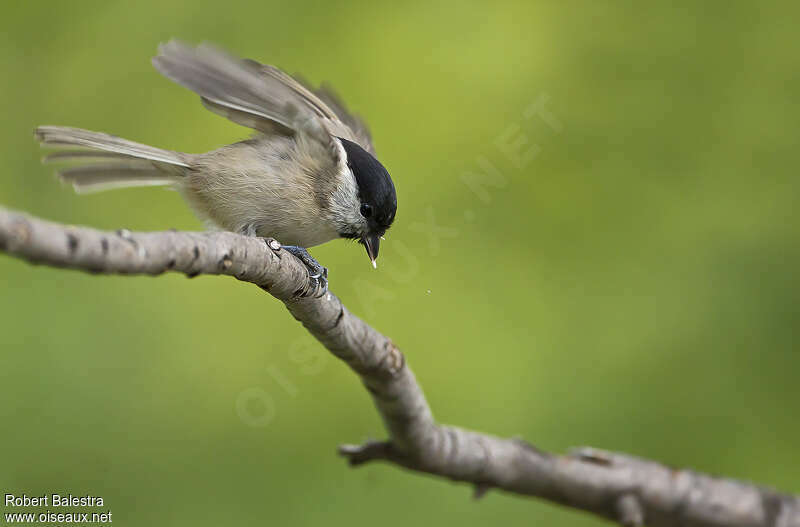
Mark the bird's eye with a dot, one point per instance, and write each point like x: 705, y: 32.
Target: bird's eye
x: 366, y: 210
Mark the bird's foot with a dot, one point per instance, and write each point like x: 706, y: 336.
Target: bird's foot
x: 317, y: 273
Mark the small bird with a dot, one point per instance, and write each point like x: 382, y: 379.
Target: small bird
x: 307, y: 176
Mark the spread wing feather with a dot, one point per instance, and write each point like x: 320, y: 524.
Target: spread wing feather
x: 230, y: 84
x: 360, y: 133
x: 258, y: 96
x: 326, y: 104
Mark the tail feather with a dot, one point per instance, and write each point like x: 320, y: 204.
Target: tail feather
x: 127, y: 164
x: 88, y: 155
x: 107, y: 176
x: 62, y: 135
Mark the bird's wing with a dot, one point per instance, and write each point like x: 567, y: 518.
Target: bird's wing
x: 325, y: 102
x: 358, y: 131
x: 254, y: 95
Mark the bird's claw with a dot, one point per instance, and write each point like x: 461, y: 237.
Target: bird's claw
x: 320, y: 286
x: 316, y: 272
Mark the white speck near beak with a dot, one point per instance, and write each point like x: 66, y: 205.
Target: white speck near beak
x: 374, y: 264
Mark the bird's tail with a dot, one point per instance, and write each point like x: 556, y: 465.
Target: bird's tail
x: 113, y: 162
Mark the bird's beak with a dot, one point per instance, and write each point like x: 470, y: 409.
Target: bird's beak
x: 372, y: 243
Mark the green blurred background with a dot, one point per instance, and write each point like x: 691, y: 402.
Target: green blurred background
x: 632, y: 286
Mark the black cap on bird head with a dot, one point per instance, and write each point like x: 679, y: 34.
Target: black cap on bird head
x: 377, y: 195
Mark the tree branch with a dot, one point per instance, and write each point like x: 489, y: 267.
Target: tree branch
x: 623, y: 488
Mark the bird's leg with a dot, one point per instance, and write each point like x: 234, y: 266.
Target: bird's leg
x: 316, y: 271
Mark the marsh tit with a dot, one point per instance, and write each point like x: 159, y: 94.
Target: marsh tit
x: 308, y: 175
